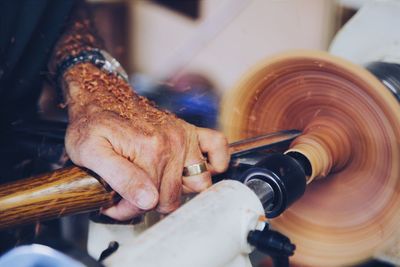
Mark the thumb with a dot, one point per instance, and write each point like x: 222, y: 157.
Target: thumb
x: 126, y: 178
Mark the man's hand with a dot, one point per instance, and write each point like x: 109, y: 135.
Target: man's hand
x: 141, y: 155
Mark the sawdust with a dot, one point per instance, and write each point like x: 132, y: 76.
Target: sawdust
x: 106, y: 91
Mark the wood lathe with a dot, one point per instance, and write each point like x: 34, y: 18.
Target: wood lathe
x: 351, y: 132
x: 345, y: 163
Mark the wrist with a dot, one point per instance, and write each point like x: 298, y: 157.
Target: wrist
x: 77, y: 81
x: 89, y: 89
x: 99, y: 59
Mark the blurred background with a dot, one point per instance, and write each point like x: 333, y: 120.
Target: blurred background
x: 186, y: 54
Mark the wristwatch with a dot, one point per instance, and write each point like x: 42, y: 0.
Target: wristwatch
x: 97, y: 57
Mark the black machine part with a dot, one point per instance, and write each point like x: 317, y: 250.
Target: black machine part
x: 273, y: 243
x: 388, y: 74
x: 278, y: 180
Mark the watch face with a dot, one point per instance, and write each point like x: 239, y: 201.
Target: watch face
x: 112, y: 65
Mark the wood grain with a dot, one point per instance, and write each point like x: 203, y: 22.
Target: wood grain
x: 65, y: 191
x: 351, y: 128
x: 74, y: 190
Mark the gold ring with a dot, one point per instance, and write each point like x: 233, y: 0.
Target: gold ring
x: 195, y: 169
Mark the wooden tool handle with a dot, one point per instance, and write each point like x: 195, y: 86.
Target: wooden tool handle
x: 66, y: 191
x: 73, y: 190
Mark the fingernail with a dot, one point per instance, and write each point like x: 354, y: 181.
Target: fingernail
x: 145, y: 198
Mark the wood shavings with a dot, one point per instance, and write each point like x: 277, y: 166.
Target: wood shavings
x: 109, y: 92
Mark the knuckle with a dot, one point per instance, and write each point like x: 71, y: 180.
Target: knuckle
x: 177, y: 138
x: 165, y: 156
x: 158, y: 146
x: 200, y: 183
x: 86, y: 150
x: 220, y: 139
x: 221, y: 167
x: 200, y: 187
x: 171, y: 199
x: 156, y: 141
x: 167, y: 209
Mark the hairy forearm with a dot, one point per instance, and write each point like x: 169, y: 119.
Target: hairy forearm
x: 79, y: 35
x: 87, y: 85
x: 90, y: 90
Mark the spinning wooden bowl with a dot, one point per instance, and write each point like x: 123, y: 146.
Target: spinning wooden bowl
x: 351, y: 133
